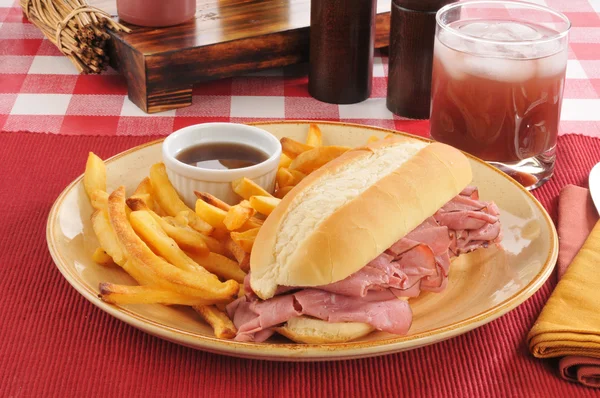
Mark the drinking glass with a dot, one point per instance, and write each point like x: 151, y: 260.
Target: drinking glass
x: 497, y: 84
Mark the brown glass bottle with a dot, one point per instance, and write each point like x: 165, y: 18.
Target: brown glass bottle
x: 412, y: 32
x: 342, y: 34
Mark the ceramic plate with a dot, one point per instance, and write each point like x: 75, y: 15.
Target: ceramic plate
x: 483, y: 285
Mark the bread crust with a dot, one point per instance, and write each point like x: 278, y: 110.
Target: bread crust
x: 308, y: 330
x: 364, y: 227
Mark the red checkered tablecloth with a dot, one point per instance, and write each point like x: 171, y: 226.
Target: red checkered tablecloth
x: 40, y: 91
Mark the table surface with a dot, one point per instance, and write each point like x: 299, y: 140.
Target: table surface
x: 40, y: 91
x: 53, y: 342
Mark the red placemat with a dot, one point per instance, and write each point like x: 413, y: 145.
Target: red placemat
x: 54, y: 342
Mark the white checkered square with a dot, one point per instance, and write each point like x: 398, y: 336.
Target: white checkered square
x: 580, y: 109
x: 575, y: 70
x: 258, y: 106
x: 41, y: 104
x: 131, y: 109
x: 206, y: 106
x: 378, y: 70
x: 372, y: 108
x: 7, y: 3
x: 50, y: 65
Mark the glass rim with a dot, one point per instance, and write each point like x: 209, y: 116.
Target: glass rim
x: 456, y: 32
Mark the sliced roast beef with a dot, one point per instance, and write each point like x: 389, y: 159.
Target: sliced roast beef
x: 418, y: 262
x: 255, y: 318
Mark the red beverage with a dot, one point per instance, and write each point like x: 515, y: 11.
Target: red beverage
x: 499, y: 103
x: 156, y: 13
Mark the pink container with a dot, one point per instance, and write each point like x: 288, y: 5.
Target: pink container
x: 156, y: 13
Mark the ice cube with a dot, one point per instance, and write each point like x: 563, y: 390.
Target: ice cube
x: 552, y: 65
x: 506, y: 70
x: 518, y: 31
x: 451, y: 59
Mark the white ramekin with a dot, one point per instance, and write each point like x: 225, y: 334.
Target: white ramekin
x: 186, y: 179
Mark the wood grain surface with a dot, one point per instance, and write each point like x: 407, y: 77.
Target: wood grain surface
x: 226, y: 38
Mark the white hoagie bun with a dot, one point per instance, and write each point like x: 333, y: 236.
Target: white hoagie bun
x: 308, y: 330
x: 349, y: 211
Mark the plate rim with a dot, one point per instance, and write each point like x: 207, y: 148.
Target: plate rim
x: 304, y: 352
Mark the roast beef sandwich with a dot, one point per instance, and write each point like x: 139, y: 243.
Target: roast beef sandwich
x: 344, y: 250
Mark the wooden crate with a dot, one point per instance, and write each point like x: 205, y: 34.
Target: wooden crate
x: 226, y: 38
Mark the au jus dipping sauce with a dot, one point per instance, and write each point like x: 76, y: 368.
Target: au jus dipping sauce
x: 221, y: 155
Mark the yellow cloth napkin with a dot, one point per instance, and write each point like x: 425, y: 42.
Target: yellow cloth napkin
x: 570, y: 322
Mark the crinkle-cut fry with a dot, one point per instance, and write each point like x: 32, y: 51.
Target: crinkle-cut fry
x: 124, y: 294
x: 101, y: 257
x: 106, y: 237
x: 99, y: 200
x: 245, y: 239
x: 220, y: 265
x: 245, y: 187
x: 238, y: 215
x: 94, y: 176
x: 281, y: 192
x: 167, y: 198
x: 372, y: 139
x: 314, y: 137
x: 293, y: 148
x: 196, y: 284
x: 218, y: 320
x: 285, y: 160
x: 309, y: 161
x: 264, y: 204
x: 240, y: 255
x: 212, y: 200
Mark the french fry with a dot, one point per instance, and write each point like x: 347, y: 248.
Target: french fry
x: 185, y: 237
x: 196, y: 284
x: 293, y: 148
x: 372, y: 139
x: 246, y: 188
x: 245, y: 239
x: 281, y: 192
x: 216, y: 217
x: 101, y: 257
x: 167, y: 198
x: 94, y: 177
x: 240, y: 255
x: 107, y: 238
x: 238, y: 215
x: 314, y: 138
x: 149, y: 229
x: 212, y: 200
x: 146, y: 198
x: 218, y: 320
x: 220, y: 265
x: 99, y: 200
x: 284, y: 177
x: 284, y: 160
x: 123, y: 294
x: 309, y: 161
x: 145, y: 186
x: 264, y: 204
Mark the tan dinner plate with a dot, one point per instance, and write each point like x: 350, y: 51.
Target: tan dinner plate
x: 483, y: 285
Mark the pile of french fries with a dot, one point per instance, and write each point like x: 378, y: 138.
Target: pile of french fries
x: 180, y: 256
